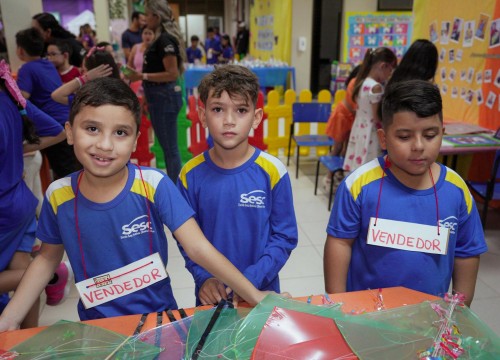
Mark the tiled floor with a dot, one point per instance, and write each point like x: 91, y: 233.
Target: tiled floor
x: 303, y: 273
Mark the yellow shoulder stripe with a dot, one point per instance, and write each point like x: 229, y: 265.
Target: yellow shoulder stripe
x: 272, y: 166
x: 455, y: 179
x: 364, y: 175
x: 190, y: 165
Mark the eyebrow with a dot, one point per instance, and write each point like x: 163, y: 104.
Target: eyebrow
x: 90, y: 122
x: 426, y: 129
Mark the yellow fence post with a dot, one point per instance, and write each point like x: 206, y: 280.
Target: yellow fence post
x: 324, y: 96
x: 275, y: 111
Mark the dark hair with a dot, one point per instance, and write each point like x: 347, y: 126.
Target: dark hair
x: 354, y: 72
x: 135, y: 15
x: 106, y: 91
x: 419, y: 62
x: 372, y: 57
x: 234, y: 79
x: 210, y: 29
x: 29, y: 133
x: 417, y: 96
x: 48, y: 21
x: 100, y: 57
x: 227, y: 38
x: 103, y: 44
x: 195, y: 38
x: 62, y: 45
x: 31, y: 41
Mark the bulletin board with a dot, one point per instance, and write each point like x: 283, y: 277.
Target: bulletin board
x: 467, y: 35
x: 271, y: 29
x: 366, y: 30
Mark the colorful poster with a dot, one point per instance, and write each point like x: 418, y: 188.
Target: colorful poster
x: 271, y: 29
x: 469, y: 49
x: 366, y: 30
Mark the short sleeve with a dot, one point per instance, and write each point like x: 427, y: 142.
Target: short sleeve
x: 172, y: 207
x: 375, y: 97
x: 48, y: 229
x: 167, y: 46
x: 24, y: 79
x: 345, y: 218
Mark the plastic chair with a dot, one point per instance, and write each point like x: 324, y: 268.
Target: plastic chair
x: 334, y: 164
x: 488, y: 190
x: 308, y: 113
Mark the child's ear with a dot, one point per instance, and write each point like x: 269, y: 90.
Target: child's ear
x: 135, y: 142
x: 202, y: 116
x: 382, y: 138
x: 258, y: 115
x: 69, y: 133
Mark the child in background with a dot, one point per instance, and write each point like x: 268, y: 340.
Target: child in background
x: 97, y: 63
x: 340, y: 122
x: 212, y: 47
x: 242, y: 196
x: 420, y: 62
x: 375, y: 70
x: 227, y: 53
x: 37, y: 78
x: 359, y: 252
x: 193, y: 53
x: 17, y: 203
x: 59, y: 53
x: 110, y: 216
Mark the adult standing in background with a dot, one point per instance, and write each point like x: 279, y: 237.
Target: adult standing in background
x: 163, y: 64
x: 132, y: 35
x: 50, y: 29
x: 242, y: 39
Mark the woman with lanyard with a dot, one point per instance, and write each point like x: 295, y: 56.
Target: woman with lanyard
x: 163, y: 64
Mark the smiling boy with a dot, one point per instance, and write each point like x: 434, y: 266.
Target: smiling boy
x: 242, y: 196
x: 406, y: 194
x: 118, y: 272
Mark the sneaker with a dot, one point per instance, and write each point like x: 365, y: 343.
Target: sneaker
x: 58, y: 291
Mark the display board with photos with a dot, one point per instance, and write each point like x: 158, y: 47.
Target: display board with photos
x: 467, y: 35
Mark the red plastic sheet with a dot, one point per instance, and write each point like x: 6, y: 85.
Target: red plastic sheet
x: 290, y: 334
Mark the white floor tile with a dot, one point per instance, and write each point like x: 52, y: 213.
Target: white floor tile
x: 488, y: 310
x: 304, y: 262
x: 65, y: 311
x: 315, y: 231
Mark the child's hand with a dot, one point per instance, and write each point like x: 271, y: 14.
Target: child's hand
x: 212, y: 291
x: 98, y: 72
x: 6, y: 325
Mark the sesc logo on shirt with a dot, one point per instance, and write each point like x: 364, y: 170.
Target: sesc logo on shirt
x: 450, y: 222
x: 140, y: 225
x: 253, y: 199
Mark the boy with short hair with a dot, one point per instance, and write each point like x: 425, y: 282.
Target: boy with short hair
x: 242, y: 196
x: 403, y: 219
x: 193, y: 53
x: 58, y: 53
x: 37, y: 79
x: 109, y: 218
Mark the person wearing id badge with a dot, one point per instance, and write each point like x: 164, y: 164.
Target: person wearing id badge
x: 110, y: 217
x: 403, y: 219
x: 163, y: 66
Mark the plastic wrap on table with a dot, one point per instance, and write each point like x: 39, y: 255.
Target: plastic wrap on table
x: 171, y: 338
x: 403, y: 332
x: 221, y: 338
x: 74, y: 340
x: 290, y: 334
x: 251, y: 327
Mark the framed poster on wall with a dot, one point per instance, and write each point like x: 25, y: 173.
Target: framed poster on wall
x: 367, y: 30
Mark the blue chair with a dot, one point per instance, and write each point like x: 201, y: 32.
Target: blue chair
x: 308, y: 113
x: 488, y: 190
x: 334, y: 164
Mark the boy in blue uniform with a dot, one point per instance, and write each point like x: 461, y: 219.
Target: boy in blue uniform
x: 193, y: 53
x: 242, y: 196
x: 109, y: 218
x: 37, y: 79
x: 403, y: 219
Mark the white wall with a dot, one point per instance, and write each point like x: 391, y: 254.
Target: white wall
x: 17, y: 16
x: 302, y: 13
